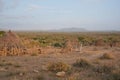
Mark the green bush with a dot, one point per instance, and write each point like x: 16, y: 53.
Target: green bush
x: 57, y: 45
x: 2, y: 33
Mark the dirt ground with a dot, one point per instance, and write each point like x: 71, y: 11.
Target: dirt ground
x: 33, y: 67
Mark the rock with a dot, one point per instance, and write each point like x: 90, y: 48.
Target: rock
x: 36, y: 71
x: 21, y: 74
x: 44, y: 68
x: 60, y: 74
x: 3, y: 69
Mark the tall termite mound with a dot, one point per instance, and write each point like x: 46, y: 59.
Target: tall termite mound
x: 11, y: 44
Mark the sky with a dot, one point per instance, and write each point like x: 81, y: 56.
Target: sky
x: 57, y: 14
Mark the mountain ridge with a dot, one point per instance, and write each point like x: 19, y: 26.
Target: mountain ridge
x: 69, y: 30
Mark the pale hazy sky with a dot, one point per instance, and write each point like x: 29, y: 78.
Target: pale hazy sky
x: 56, y: 14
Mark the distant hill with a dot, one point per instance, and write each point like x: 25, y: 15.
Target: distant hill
x: 69, y: 30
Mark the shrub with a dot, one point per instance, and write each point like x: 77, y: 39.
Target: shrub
x: 12, y: 73
x: 34, y: 54
x: 115, y: 76
x: 107, y: 56
x: 84, y: 63
x: 17, y: 65
x: 40, y: 77
x: 6, y: 63
x: 60, y: 66
x: 104, y: 69
x: 57, y: 45
x: 112, y: 75
x: 96, y: 61
x: 2, y: 33
x: 71, y: 78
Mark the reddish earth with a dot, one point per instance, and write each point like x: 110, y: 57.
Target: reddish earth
x: 24, y: 59
x: 33, y: 67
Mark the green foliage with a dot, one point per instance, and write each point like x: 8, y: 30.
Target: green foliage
x: 2, y: 33
x: 111, y: 40
x: 87, y: 39
x: 56, y: 41
x: 58, y: 44
x: 81, y: 39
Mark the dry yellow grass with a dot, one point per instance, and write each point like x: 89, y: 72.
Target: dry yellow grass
x: 107, y: 56
x: 83, y: 63
x: 59, y: 66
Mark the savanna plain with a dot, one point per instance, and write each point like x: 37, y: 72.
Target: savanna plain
x: 59, y: 56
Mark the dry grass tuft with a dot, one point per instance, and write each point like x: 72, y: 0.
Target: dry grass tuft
x: 97, y: 61
x: 107, y: 56
x: 71, y: 78
x: 60, y: 66
x: 40, y: 77
x: 34, y: 54
x: 17, y: 65
x: 6, y: 63
x: 104, y: 69
x: 83, y: 63
x: 115, y: 76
